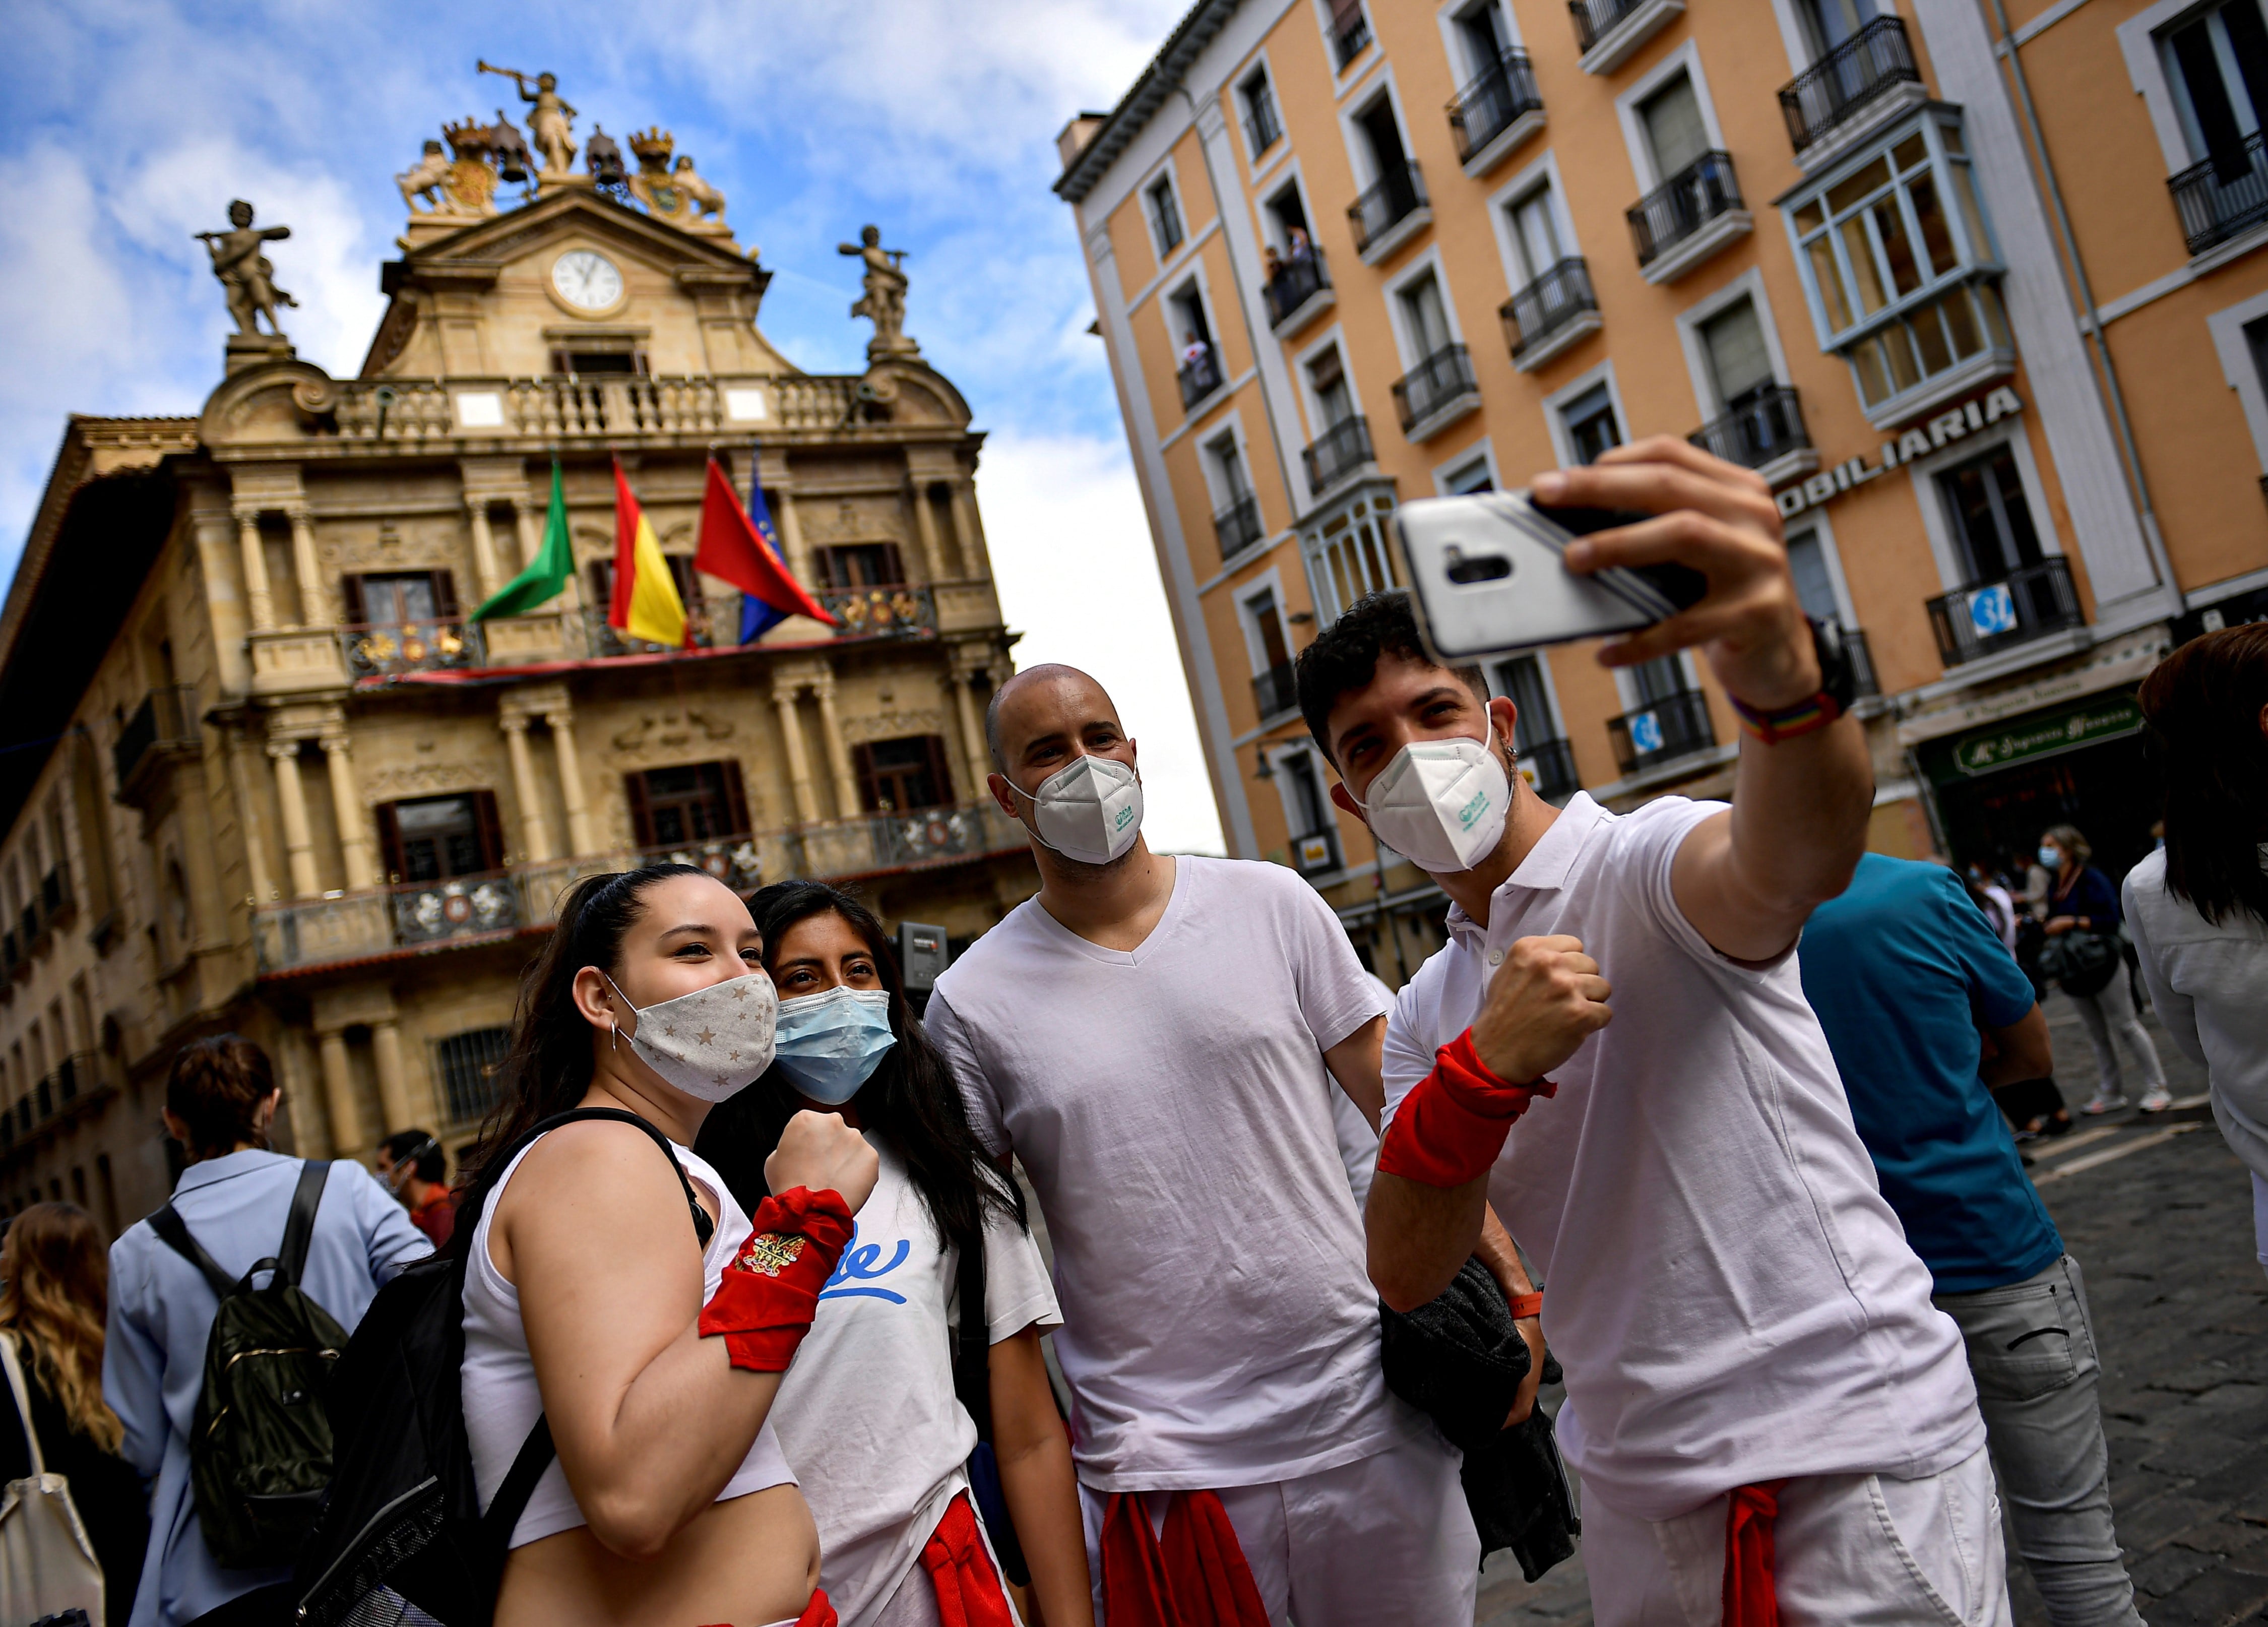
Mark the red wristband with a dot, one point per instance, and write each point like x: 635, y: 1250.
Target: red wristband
x: 763, y: 1307
x: 1524, y: 1306
x: 1450, y: 1128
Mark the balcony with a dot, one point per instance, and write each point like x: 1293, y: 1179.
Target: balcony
x: 1985, y: 618
x: 1390, y: 213
x: 1200, y: 379
x: 1350, y: 32
x: 1337, y: 453
x: 1550, y: 314
x: 1765, y: 433
x: 1688, y: 217
x: 1857, y: 77
x: 1299, y: 292
x: 1238, y: 526
x: 460, y: 907
x: 1677, y: 726
x: 1276, y: 692
x: 894, y: 611
x: 1497, y: 112
x: 1436, y: 393
x: 1862, y: 665
x: 56, y: 904
x: 1550, y: 765
x: 840, y: 849
x: 1316, y: 853
x: 1609, y: 31
x: 732, y: 860
x: 2223, y: 197
x: 165, y: 726
x: 389, y: 650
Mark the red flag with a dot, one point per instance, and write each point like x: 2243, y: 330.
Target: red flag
x: 731, y: 550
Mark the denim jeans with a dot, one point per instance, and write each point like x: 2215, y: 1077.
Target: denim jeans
x: 2031, y: 1348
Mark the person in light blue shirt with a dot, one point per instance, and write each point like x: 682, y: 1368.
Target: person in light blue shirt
x: 234, y: 1198
x: 1925, y: 1009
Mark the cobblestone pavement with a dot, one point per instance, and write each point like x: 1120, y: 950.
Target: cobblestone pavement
x: 2159, y: 1214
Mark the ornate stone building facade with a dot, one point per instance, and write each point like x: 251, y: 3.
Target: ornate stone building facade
x: 279, y: 782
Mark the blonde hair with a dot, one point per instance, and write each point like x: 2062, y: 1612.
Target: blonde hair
x: 54, y: 1300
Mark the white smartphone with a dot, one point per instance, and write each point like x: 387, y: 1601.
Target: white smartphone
x: 1488, y: 579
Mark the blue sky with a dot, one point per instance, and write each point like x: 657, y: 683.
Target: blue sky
x: 129, y: 126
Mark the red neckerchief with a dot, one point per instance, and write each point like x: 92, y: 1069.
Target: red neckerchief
x: 1197, y: 1577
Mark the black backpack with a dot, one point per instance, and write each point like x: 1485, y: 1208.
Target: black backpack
x: 403, y: 1523
x: 259, y: 1448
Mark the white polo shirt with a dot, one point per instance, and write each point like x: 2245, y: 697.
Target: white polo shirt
x: 1731, y: 1297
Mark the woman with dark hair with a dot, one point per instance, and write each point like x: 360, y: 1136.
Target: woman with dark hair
x: 651, y: 1339
x: 233, y: 1199
x: 2197, y: 908
x: 869, y: 1416
x: 54, y: 1286
x: 2081, y: 899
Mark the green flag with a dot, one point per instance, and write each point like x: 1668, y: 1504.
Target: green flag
x: 547, y: 574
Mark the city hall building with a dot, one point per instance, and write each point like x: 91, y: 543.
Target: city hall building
x: 267, y: 775
x: 1973, y: 283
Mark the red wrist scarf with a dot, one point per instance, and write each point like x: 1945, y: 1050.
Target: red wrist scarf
x: 1197, y: 1577
x: 1451, y: 1127
x: 764, y: 1305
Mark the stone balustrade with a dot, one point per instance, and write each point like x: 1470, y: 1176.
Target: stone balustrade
x: 550, y: 411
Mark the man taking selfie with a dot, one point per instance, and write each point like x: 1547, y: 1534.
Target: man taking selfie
x: 1771, y: 1420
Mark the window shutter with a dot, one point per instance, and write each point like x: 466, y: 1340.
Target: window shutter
x: 641, y: 811
x: 445, y: 595
x: 489, y: 824
x: 736, y: 800
x: 940, y: 770
x: 893, y: 565
x: 601, y: 572
x: 870, y: 788
x: 389, y: 841
x: 351, y: 600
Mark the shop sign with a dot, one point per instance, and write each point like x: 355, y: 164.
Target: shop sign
x: 1918, y: 442
x: 2106, y: 718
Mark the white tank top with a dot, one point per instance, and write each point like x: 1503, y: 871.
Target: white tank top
x: 500, y: 1398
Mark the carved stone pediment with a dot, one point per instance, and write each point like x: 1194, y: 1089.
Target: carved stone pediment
x: 426, y: 779
x: 669, y: 732
x: 893, y: 725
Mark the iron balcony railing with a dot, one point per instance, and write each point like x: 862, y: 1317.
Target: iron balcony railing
x: 1200, y: 377
x: 2030, y: 602
x: 1432, y: 385
x: 1596, y: 19
x: 1684, y: 203
x: 734, y: 860
x: 853, y: 847
x: 166, y: 720
x: 1350, y: 32
x: 1676, y: 726
x: 1277, y: 691
x: 1399, y: 194
x: 713, y: 621
x: 1261, y: 128
x: 427, y: 912
x: 1498, y: 96
x: 1547, y: 305
x: 1768, y: 425
x: 388, y: 649
x: 1862, y: 664
x: 2225, y: 195
x: 1337, y: 453
x: 1316, y: 853
x: 1238, y: 525
x: 1297, y: 279
x: 1551, y: 764
x: 1842, y: 82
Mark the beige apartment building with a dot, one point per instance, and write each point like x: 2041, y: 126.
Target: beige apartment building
x: 1975, y: 284
x: 269, y: 775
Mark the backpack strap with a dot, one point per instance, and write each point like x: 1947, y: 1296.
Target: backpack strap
x: 972, y: 1355
x: 510, y: 1501
x: 306, y: 1198
x: 169, y: 1226
x: 704, y: 1227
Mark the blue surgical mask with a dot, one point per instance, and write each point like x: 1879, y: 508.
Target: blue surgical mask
x: 831, y: 1043
x: 2050, y: 859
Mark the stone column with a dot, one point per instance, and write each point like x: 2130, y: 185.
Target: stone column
x: 580, y: 839
x: 311, y: 1123
x: 257, y: 598
x: 338, y: 1093
x: 315, y: 602
x: 534, y: 835
x: 970, y: 529
x: 926, y: 526
x: 484, y: 554
x: 298, y: 842
x: 972, y: 727
x: 392, y: 1090
x: 256, y: 875
x: 531, y: 535
x: 838, y: 756
x: 355, y: 853
x: 791, y: 529
x: 798, y: 765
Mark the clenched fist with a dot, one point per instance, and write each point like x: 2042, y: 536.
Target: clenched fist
x: 1545, y: 1000
x: 819, y: 1151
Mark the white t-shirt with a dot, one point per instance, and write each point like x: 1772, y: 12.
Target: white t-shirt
x: 1731, y: 1297
x: 867, y: 1415
x: 1219, y: 1329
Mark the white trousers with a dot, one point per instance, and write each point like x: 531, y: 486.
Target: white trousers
x: 1850, y: 1550
x: 1386, y: 1538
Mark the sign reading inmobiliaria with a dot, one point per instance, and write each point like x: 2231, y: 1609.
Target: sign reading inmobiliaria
x: 1917, y: 442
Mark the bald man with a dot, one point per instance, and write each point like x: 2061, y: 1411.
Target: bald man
x: 1155, y: 1037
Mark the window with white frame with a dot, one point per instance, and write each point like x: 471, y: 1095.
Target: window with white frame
x: 1236, y: 513
x: 1471, y: 477
x: 1899, y: 263
x: 1229, y: 483
x: 1740, y: 363
x: 1326, y: 381
x: 1536, y: 243
x: 2217, y: 64
x: 1165, y: 215
x: 1828, y: 24
x: 1815, y: 584
x: 1425, y: 317
x: 1992, y: 521
x: 1676, y: 136
x: 1272, y: 649
x: 1347, y: 555
x: 1539, y: 742
x: 1591, y: 423
x: 1263, y: 127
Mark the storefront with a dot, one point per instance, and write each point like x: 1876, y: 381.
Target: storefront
x: 1995, y: 789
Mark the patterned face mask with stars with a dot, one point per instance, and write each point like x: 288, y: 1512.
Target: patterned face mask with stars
x: 712, y: 1043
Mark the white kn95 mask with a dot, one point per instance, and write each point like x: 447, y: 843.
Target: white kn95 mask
x: 1090, y: 809
x: 1440, y: 804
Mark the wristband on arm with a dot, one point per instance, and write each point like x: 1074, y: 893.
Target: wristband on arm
x: 1450, y: 1128
x: 763, y: 1307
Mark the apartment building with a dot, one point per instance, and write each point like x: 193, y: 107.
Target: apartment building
x: 266, y: 775
x: 1972, y: 283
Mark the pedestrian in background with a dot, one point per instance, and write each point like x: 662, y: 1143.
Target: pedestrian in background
x: 1925, y: 1009
x: 2198, y: 906
x: 416, y: 1171
x: 53, y: 1290
x: 234, y: 1198
x: 2080, y: 898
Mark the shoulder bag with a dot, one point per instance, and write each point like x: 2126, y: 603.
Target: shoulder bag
x: 47, y: 1564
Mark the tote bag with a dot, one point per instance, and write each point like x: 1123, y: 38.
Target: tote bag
x: 47, y: 1564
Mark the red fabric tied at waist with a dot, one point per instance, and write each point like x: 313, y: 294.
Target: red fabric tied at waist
x: 818, y: 1613
x: 1451, y: 1127
x: 1195, y: 1577
x: 1751, y: 1595
x: 763, y: 1305
x: 969, y: 1591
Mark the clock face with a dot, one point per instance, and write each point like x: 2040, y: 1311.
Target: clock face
x: 586, y: 280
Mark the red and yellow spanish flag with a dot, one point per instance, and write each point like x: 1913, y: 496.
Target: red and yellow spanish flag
x: 645, y: 603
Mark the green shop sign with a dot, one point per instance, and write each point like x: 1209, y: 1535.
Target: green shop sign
x: 2105, y: 718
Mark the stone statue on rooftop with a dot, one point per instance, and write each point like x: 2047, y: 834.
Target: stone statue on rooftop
x: 884, y: 301
x: 700, y: 197
x: 245, y: 272
x: 550, y: 120
x: 425, y: 178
